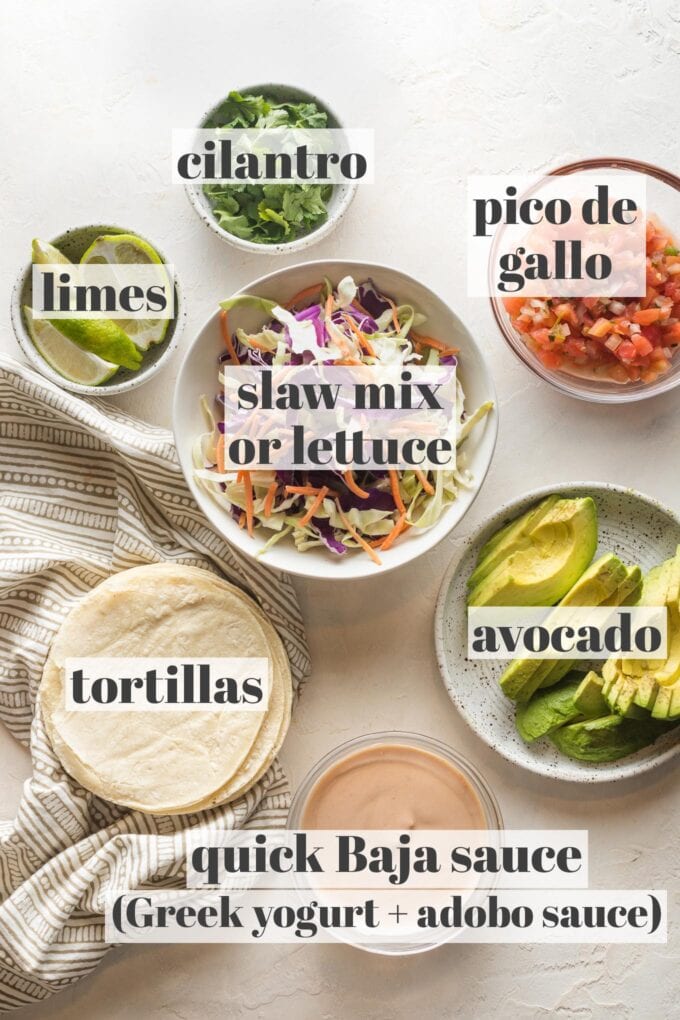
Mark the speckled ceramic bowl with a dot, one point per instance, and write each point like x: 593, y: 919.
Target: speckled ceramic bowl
x: 74, y: 243
x: 636, y: 528
x: 338, y: 204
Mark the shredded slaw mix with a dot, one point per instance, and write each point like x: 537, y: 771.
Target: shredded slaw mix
x: 340, y: 510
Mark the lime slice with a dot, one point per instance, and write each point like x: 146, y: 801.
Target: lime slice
x: 64, y: 357
x: 130, y: 249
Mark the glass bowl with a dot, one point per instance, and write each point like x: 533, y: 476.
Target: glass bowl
x: 492, y: 812
x: 663, y: 200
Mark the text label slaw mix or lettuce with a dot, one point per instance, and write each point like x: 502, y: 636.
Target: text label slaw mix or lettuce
x: 340, y: 510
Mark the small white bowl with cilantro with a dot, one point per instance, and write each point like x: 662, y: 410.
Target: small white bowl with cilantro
x: 271, y: 218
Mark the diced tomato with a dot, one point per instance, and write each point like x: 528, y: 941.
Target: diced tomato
x: 672, y: 335
x: 626, y: 350
x: 642, y: 345
x: 653, y: 333
x: 627, y: 346
x: 542, y: 337
x: 647, y: 316
x: 671, y: 290
x: 551, y: 359
x: 514, y: 305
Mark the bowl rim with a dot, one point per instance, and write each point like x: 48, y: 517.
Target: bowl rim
x: 513, y: 506
x: 345, y: 191
x: 297, y: 566
x: 105, y: 389
x: 562, y: 381
x: 410, y: 738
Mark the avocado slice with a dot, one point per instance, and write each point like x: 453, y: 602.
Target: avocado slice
x: 561, y: 546
x: 588, y: 698
x: 605, y: 739
x: 523, y: 676
x: 637, y: 687
x: 627, y: 593
x: 510, y: 538
x: 547, y: 710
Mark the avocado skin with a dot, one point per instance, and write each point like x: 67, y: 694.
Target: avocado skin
x: 606, y: 739
x: 571, y: 524
x: 547, y: 710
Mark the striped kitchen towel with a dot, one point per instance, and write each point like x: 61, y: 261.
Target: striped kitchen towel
x: 87, y: 491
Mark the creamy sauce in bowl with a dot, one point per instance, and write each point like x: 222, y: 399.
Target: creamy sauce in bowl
x: 392, y: 786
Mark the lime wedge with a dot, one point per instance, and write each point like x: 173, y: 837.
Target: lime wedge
x: 64, y: 357
x: 130, y: 249
x: 104, y: 338
x: 45, y: 254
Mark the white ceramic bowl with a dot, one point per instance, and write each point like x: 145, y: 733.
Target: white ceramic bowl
x: 74, y: 243
x: 337, y: 206
x: 635, y: 527
x: 198, y: 377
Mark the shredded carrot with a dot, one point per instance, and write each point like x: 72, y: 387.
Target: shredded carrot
x: 260, y: 346
x: 362, y: 541
x: 449, y: 351
x: 329, y: 305
x: 396, y: 494
x: 226, y: 336
x: 242, y: 519
x: 219, y: 454
x: 429, y: 341
x: 302, y: 490
x: 305, y: 293
x: 353, y: 487
x: 395, y: 317
x: 269, y: 499
x: 347, y: 361
x: 313, y: 506
x: 400, y: 526
x: 249, y: 501
x: 429, y: 489
x: 361, y: 337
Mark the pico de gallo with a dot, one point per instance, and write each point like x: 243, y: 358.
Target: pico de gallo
x: 627, y: 340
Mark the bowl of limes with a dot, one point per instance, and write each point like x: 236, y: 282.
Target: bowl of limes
x: 96, y: 356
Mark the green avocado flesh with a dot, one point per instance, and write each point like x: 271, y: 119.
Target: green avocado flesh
x: 599, y: 582
x: 544, y: 558
x: 626, y: 594
x: 588, y: 697
x: 515, y: 535
x: 605, y: 739
x: 538, y: 560
x: 636, y: 688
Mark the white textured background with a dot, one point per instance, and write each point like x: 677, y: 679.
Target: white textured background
x: 89, y: 93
